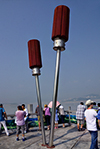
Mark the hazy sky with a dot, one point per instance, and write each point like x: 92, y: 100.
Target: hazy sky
x: 22, y: 20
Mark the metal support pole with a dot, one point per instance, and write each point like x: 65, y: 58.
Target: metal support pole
x: 55, y: 97
x: 40, y: 109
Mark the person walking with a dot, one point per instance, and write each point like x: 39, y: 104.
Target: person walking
x: 90, y: 116
x: 47, y: 116
x: 80, y: 116
x: 3, y: 115
x: 20, y: 114
x: 25, y: 118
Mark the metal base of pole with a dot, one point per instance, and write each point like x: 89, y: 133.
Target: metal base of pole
x: 53, y: 146
x: 44, y: 145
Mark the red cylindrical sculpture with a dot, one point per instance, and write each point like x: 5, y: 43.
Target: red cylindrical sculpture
x: 34, y: 54
x: 61, y: 23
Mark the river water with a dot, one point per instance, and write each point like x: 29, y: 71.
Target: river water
x: 11, y: 108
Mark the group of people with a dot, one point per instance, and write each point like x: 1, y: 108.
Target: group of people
x: 47, y: 116
x: 21, y: 120
x: 89, y: 113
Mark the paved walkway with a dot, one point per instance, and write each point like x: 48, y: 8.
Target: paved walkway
x: 64, y: 138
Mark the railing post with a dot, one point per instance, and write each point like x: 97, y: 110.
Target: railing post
x: 69, y: 109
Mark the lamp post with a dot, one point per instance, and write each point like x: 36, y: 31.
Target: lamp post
x: 35, y: 64
x: 59, y: 36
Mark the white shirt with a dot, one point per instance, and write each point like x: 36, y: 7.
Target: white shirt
x: 61, y: 110
x: 90, y: 115
x: 26, y: 111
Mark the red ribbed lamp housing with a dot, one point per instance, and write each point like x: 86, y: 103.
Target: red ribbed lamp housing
x: 34, y: 54
x: 61, y: 23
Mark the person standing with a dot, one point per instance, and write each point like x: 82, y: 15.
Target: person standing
x: 38, y: 115
x: 80, y: 116
x: 20, y: 114
x: 56, y: 119
x: 2, y: 119
x: 90, y: 116
x: 62, y: 114
x: 95, y: 107
x: 25, y: 118
x: 98, y: 116
x: 47, y: 115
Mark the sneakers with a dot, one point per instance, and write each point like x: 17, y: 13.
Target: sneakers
x: 82, y: 129
x: 17, y: 139
x: 23, y: 139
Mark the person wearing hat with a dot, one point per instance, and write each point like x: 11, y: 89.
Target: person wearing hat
x: 2, y: 119
x: 90, y: 116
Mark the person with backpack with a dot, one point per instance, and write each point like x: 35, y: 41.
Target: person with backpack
x: 2, y: 119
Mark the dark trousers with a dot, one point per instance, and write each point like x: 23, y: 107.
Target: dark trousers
x: 47, y: 117
x: 62, y: 118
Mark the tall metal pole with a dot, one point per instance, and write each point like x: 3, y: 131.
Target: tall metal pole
x: 55, y: 97
x: 59, y: 36
x: 40, y: 109
x: 35, y: 63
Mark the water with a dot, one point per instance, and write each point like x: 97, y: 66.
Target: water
x: 11, y: 108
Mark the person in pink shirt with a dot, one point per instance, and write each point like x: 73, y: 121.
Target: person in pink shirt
x: 20, y: 114
x: 47, y: 115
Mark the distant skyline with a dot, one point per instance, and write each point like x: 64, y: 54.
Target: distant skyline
x: 79, y: 75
